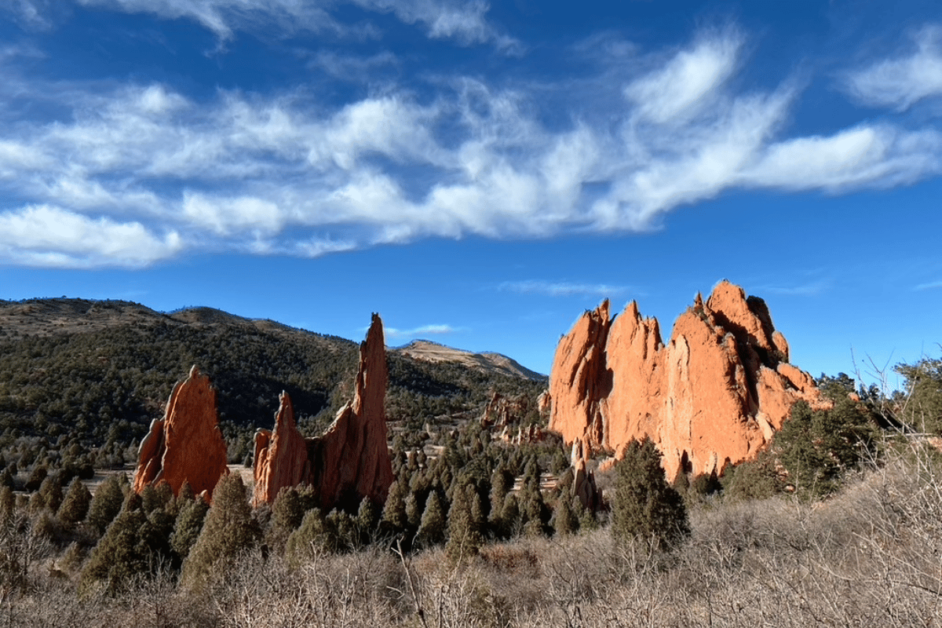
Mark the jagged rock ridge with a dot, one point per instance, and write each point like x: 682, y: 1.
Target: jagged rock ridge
x: 713, y: 396
x: 186, y: 445
x: 350, y: 460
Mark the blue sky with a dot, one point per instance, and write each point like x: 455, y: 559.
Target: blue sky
x: 481, y: 173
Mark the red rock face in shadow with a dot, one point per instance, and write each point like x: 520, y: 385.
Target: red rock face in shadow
x: 350, y: 460
x: 186, y: 445
x: 713, y: 396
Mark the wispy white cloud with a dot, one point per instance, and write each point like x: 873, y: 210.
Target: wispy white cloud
x: 902, y: 81
x: 464, y: 21
x: 287, y: 173
x: 563, y: 288
x: 931, y: 285
x: 687, y: 82
x: 423, y: 330
x: 350, y: 67
x: 810, y: 288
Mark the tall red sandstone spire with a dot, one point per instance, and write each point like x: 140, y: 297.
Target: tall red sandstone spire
x: 350, y: 460
x: 186, y: 445
x: 714, y: 395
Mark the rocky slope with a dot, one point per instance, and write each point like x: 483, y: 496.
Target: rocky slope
x: 489, y: 362
x: 713, y: 396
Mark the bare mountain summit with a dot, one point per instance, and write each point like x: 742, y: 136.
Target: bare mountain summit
x: 429, y: 351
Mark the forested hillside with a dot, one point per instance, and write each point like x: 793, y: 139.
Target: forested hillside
x: 94, y: 373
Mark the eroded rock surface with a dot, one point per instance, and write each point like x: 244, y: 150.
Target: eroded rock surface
x: 186, y: 445
x: 713, y: 396
x: 350, y: 460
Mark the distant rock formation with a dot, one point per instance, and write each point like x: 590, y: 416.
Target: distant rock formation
x: 503, y: 411
x: 350, y: 460
x: 713, y: 396
x: 186, y: 445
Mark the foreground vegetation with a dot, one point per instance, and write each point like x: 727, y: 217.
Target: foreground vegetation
x: 868, y: 556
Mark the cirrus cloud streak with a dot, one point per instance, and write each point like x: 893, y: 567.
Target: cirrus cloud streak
x: 290, y: 174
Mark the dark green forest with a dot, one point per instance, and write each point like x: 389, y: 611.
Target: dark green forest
x: 89, y: 376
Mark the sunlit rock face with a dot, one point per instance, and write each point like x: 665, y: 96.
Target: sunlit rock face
x: 186, y: 445
x: 713, y: 396
x: 350, y: 460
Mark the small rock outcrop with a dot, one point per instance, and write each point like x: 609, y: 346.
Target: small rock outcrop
x: 502, y: 411
x: 350, y: 460
x: 583, y: 481
x: 186, y: 445
x: 713, y: 396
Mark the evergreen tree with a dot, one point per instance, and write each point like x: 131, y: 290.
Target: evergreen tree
x: 287, y: 513
x: 817, y: 446
x: 106, y: 504
x: 228, y: 530
x: 511, y: 523
x: 133, y: 545
x: 413, y: 510
x: 313, y: 536
x: 36, y: 477
x: 51, y: 491
x: 464, y: 532
x: 7, y: 503
x: 366, y: 521
x: 501, y: 483
x: 75, y: 505
x: 6, y: 478
x: 646, y: 506
x: 432, y: 527
x: 188, y: 526
x: 394, y: 512
x: 564, y: 520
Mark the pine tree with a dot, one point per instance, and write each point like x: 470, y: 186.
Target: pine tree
x: 646, y: 507
x: 7, y: 504
x: 510, y: 521
x: 413, y: 510
x: 564, y: 520
x: 106, y: 504
x: 313, y: 536
x: 75, y: 505
x: 501, y: 483
x: 432, y: 527
x: 188, y: 526
x: 132, y: 546
x: 228, y: 530
x: 394, y: 512
x: 51, y: 491
x: 366, y: 521
x: 464, y: 533
x: 287, y: 513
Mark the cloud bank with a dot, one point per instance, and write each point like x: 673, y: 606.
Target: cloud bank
x: 133, y: 174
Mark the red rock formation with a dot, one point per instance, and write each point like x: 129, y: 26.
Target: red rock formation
x: 503, y: 411
x: 714, y: 395
x: 350, y: 460
x: 186, y: 445
x: 583, y: 481
x: 280, y: 455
